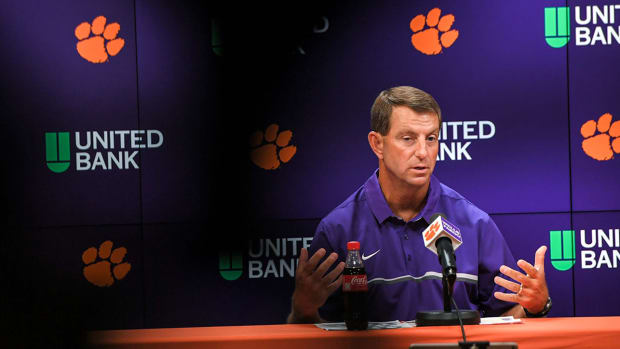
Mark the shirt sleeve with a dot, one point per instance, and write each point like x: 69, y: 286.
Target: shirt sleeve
x: 494, y: 252
x: 333, y: 309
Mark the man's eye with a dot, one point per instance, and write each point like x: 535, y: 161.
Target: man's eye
x: 432, y: 138
x: 407, y: 138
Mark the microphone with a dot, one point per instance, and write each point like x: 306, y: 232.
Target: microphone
x: 443, y: 238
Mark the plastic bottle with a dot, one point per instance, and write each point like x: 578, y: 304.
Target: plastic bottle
x: 355, y: 289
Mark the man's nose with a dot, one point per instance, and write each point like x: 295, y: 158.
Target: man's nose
x: 420, y: 150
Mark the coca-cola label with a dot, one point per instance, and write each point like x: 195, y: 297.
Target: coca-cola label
x: 355, y: 283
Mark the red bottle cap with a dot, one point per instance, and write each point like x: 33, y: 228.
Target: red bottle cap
x: 353, y: 245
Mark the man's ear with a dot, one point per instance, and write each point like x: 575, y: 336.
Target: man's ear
x: 375, y: 139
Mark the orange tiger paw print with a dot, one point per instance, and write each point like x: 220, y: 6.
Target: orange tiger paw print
x: 92, y: 48
x: 601, y: 147
x: 428, y: 41
x: 268, y: 156
x: 102, y: 273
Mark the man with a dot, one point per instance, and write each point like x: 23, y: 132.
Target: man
x: 387, y: 215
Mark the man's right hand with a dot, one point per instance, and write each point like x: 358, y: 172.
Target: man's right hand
x: 313, y: 286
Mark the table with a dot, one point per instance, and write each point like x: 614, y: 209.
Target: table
x: 568, y: 332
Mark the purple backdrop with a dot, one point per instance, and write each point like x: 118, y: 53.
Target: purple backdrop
x: 206, y: 77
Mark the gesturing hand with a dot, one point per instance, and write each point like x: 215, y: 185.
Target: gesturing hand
x: 312, y: 285
x: 530, y: 290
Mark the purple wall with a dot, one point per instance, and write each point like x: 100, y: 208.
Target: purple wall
x: 197, y: 205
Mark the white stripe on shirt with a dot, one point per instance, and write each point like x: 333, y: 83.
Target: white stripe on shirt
x: 429, y: 275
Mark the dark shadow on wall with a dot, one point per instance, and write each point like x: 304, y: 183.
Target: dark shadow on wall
x: 257, y: 43
x: 254, y: 45
x: 37, y: 310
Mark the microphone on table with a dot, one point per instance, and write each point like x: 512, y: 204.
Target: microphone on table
x: 443, y: 238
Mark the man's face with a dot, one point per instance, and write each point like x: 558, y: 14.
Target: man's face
x: 410, y: 148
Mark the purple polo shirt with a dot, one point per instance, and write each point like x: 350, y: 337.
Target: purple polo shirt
x: 404, y: 277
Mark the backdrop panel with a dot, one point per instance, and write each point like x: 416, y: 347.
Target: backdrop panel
x: 593, y: 75
x: 177, y: 79
x: 209, y: 276
x: 149, y: 124
x: 525, y: 233
x: 597, y: 240
x: 74, y: 278
x: 59, y: 93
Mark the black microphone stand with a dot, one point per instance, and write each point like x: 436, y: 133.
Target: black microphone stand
x: 448, y: 288
x: 447, y: 317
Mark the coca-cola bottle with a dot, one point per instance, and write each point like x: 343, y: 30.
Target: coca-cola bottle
x: 355, y: 289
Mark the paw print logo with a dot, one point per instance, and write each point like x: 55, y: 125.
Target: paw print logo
x: 94, y: 48
x: 265, y: 153
x: 109, y: 268
x: 601, y: 147
x: 428, y: 41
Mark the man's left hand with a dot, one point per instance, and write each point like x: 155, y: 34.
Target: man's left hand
x: 530, y: 289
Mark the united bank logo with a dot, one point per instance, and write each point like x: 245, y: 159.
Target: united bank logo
x: 97, y: 41
x: 231, y: 265
x: 99, y: 150
x: 557, y: 26
x: 57, y: 151
x: 594, y: 25
x: 456, y: 138
x: 274, y: 258
x: 562, y: 245
x: 599, y: 249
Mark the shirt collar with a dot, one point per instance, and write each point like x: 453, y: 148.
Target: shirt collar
x: 382, y: 211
